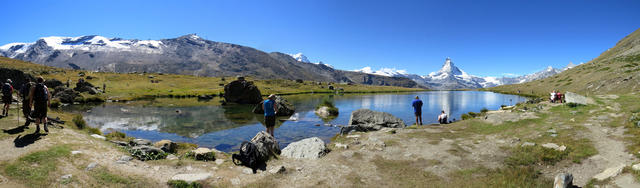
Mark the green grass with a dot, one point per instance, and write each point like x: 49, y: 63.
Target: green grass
x: 34, y: 169
x: 105, y: 178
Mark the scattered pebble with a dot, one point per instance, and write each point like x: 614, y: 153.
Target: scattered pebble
x: 125, y: 158
x: 75, y: 152
x: 91, y: 166
x: 343, y: 146
x: 66, y: 177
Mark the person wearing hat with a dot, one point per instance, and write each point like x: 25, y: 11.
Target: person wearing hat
x: 417, y: 110
x: 40, y: 98
x: 270, y: 108
x: 7, y: 92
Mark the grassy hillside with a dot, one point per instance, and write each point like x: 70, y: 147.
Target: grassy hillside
x: 121, y: 86
x: 615, y: 71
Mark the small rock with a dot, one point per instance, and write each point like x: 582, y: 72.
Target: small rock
x: 75, y: 152
x: 343, y: 146
x: 99, y: 136
x: 91, y: 166
x: 219, y: 161
x: 192, y: 177
x: 171, y: 157
x: 140, y: 142
x: 353, y: 136
x: 125, y: 158
x: 278, y: 170
x: 554, y: 146
x: 247, y: 171
x: 122, y: 162
x: 563, y: 180
x: 235, y: 181
x: 609, y: 172
x: 66, y: 177
x: 636, y: 167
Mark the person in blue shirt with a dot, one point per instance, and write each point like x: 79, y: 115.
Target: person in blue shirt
x: 417, y: 110
x: 270, y: 108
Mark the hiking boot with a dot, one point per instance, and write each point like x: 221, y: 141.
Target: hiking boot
x: 45, y: 128
x: 37, y: 129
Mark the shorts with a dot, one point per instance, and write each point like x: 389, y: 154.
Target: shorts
x: 418, y: 113
x: 39, y: 110
x: 270, y: 121
x: 26, y: 109
x: 7, y: 99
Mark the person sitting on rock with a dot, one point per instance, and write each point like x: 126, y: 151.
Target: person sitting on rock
x: 442, y: 118
x: 270, y: 108
x: 417, y: 110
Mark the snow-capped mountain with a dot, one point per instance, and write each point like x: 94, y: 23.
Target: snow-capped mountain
x: 188, y: 54
x: 452, y: 77
x: 300, y: 57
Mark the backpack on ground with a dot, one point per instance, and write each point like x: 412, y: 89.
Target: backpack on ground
x: 41, y: 94
x: 6, y: 89
x: 248, y: 155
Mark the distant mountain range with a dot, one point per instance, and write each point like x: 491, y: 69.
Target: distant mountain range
x: 452, y: 77
x: 189, y: 54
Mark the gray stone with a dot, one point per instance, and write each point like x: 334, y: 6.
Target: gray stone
x: 355, y: 136
x: 563, y: 180
x: 570, y: 97
x: 609, y: 173
x: 247, y: 171
x: 528, y: 144
x: 636, y: 167
x: 75, y: 152
x: 171, y: 157
x: 140, y: 142
x: 369, y: 120
x: 91, y: 166
x: 343, y: 146
x: 285, y: 108
x: 166, y: 146
x: 266, y: 145
x: 66, y: 177
x: 192, y: 177
x: 554, y: 146
x: 310, y: 148
x: 125, y: 158
x: 278, y: 170
x: 204, y: 154
x: 99, y: 136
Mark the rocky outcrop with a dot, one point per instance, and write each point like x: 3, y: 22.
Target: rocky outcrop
x: 84, y: 86
x: 570, y: 97
x: 52, y: 83
x: 166, y: 146
x: 242, y: 92
x: 18, y: 77
x: 369, y: 120
x: 140, y: 142
x: 203, y: 154
x: 64, y: 94
x: 325, y: 112
x: 284, y: 107
x: 266, y: 145
x: 563, y: 180
x: 310, y: 148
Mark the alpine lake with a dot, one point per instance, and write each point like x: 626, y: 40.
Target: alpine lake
x: 224, y: 127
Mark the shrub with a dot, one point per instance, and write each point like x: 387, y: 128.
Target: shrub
x: 473, y: 114
x: 466, y: 116
x: 484, y: 110
x: 93, y: 130
x: 79, y: 122
x: 144, y: 156
x: 183, y: 184
x: 117, y: 135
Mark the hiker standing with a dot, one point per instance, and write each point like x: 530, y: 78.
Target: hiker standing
x: 7, y: 92
x: 553, y: 96
x: 26, y: 108
x: 442, y: 118
x: 270, y: 107
x: 104, y: 87
x: 417, y: 110
x: 40, y: 98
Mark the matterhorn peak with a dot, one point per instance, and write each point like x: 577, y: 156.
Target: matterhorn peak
x: 450, y: 68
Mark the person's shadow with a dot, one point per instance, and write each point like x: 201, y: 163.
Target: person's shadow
x: 22, y: 141
x: 16, y: 130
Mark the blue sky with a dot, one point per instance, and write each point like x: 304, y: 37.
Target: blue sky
x: 486, y: 38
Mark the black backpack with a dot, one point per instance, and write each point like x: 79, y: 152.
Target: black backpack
x: 248, y: 155
x: 41, y: 94
x: 6, y: 89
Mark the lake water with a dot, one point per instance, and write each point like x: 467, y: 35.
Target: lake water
x: 225, y: 127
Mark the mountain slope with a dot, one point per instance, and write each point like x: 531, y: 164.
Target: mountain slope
x: 617, y: 70
x: 189, y: 55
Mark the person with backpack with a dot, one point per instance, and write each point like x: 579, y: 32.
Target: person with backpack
x: 442, y: 118
x: 24, y: 93
x: 7, y: 92
x: 417, y: 110
x: 270, y: 108
x: 40, y: 99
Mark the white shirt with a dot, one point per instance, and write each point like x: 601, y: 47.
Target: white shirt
x: 442, y: 116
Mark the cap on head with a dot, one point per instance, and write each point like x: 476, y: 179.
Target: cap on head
x: 40, y: 79
x: 9, y: 80
x: 272, y: 96
x: 443, y: 111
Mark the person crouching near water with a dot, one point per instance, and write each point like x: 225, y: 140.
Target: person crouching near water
x: 40, y: 99
x: 270, y: 107
x: 442, y: 118
x: 417, y: 110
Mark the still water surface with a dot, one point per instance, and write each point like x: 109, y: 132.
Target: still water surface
x: 225, y: 127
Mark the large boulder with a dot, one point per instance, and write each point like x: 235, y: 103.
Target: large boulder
x: 310, y: 148
x: 563, y: 180
x: 140, y: 142
x: 17, y: 77
x: 53, y: 83
x: 204, y: 154
x: 369, y: 120
x: 65, y: 95
x: 266, y: 145
x: 166, y: 146
x: 84, y: 86
x: 242, y: 92
x: 570, y: 97
x: 284, y: 107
